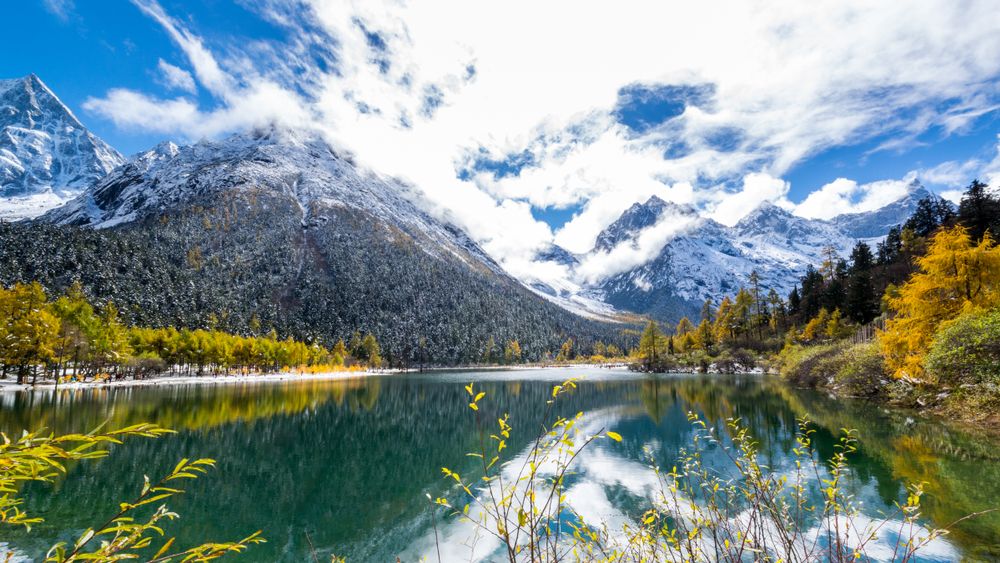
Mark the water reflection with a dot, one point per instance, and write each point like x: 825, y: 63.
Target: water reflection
x: 349, y: 461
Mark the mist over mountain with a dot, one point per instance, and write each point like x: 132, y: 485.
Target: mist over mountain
x: 707, y: 260
x: 274, y: 229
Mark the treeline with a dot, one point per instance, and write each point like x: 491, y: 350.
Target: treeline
x: 936, y: 342
x: 940, y: 263
x: 68, y: 338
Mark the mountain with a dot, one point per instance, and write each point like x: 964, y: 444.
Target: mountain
x: 46, y: 154
x: 707, y: 260
x: 275, y: 230
x: 875, y: 224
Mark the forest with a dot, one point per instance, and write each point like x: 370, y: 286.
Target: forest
x: 67, y: 339
x: 915, y: 320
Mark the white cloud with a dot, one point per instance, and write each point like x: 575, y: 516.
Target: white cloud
x: 59, y: 8
x: 789, y: 80
x: 631, y: 253
x: 175, y: 77
x: 757, y: 188
x: 847, y: 196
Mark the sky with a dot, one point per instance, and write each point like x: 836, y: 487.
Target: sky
x: 531, y: 123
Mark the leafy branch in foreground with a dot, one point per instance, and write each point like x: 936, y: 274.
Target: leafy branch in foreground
x: 718, y: 503
x: 43, y: 457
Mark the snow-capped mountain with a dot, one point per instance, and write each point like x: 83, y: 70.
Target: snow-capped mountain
x: 875, y: 224
x: 707, y: 260
x: 46, y: 154
x: 300, y: 167
x: 274, y: 228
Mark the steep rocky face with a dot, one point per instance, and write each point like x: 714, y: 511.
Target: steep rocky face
x: 45, y: 152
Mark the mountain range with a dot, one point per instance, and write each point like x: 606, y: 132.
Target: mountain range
x: 273, y: 228
x: 705, y: 260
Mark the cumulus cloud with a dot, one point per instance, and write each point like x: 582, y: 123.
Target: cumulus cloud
x: 847, y: 196
x: 757, y: 188
x: 631, y: 253
x: 421, y: 90
x: 176, y: 78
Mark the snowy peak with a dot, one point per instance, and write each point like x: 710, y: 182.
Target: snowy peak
x: 44, y: 149
x: 637, y: 218
x: 874, y: 224
x: 294, y: 171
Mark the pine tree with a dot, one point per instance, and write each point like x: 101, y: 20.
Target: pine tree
x: 862, y: 300
x: 566, y: 351
x: 651, y: 346
x: 512, y: 353
x: 979, y: 211
x: 931, y: 213
x: 684, y: 326
x: 708, y: 311
x: 371, y: 350
x: 489, y: 350
x: 704, y: 336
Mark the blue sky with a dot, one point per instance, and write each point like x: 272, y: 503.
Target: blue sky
x: 547, y: 134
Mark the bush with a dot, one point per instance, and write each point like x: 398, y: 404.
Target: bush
x: 862, y: 372
x: 967, y: 350
x: 810, y: 366
x: 735, y: 361
x: 702, y: 511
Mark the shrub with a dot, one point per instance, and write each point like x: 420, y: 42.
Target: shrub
x: 862, y: 371
x: 967, y: 350
x: 810, y: 366
x: 43, y: 457
x: 735, y: 361
x: 697, y: 511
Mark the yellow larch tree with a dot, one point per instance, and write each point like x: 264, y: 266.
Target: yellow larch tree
x: 955, y: 276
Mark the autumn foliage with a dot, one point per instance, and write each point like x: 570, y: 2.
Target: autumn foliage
x: 956, y: 276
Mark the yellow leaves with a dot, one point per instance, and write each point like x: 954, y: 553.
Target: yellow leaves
x: 615, y: 436
x: 955, y: 276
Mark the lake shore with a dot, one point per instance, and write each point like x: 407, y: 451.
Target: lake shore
x: 49, y: 385
x: 10, y: 385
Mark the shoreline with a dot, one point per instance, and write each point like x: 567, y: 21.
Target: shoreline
x: 10, y: 385
x: 49, y: 385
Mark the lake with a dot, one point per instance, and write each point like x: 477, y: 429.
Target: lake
x: 344, y: 466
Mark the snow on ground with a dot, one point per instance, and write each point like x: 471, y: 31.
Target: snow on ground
x: 12, y: 385
x: 31, y: 206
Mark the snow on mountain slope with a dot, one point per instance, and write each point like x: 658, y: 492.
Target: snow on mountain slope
x: 875, y: 224
x: 46, y: 154
x: 707, y: 260
x: 298, y: 165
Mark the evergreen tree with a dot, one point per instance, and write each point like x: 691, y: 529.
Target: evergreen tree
x: 708, y: 311
x: 651, y: 346
x: 684, y: 326
x: 704, y: 336
x: 566, y: 351
x: 862, y: 300
x: 371, y: 350
x: 979, y: 211
x: 931, y: 213
x: 512, y: 353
